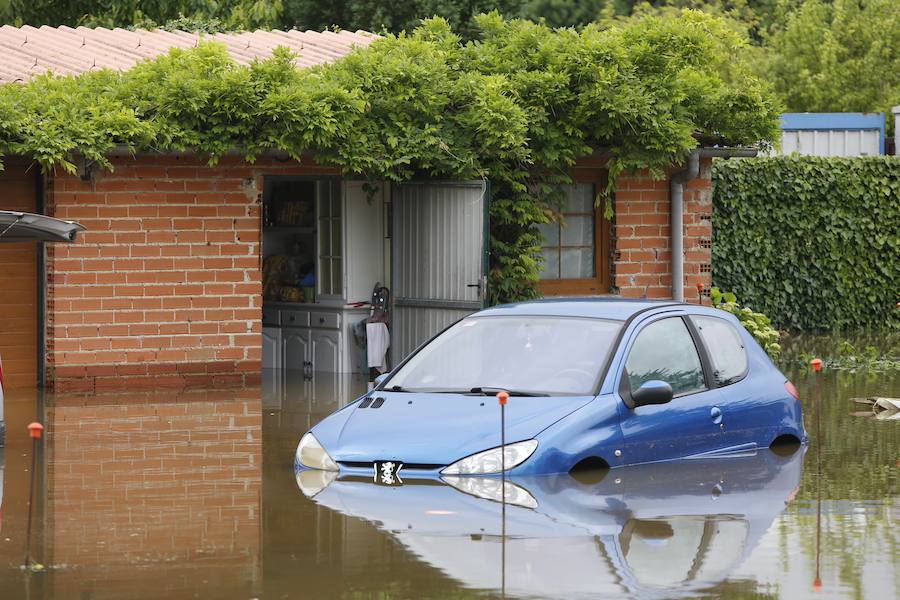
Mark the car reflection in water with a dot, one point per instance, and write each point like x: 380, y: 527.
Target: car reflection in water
x: 671, y: 528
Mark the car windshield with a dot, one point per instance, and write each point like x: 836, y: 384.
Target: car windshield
x: 525, y: 355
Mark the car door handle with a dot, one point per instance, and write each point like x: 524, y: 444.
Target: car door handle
x: 716, y: 415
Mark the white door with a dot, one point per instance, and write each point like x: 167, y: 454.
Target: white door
x: 439, y: 258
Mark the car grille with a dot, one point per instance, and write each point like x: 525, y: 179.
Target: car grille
x: 406, y: 466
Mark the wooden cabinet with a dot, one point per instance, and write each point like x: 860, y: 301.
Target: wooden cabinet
x: 326, y: 350
x: 295, y: 352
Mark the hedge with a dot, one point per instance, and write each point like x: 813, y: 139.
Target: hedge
x: 812, y: 242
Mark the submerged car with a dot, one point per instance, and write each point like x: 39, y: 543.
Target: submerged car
x: 17, y: 227
x: 592, y: 383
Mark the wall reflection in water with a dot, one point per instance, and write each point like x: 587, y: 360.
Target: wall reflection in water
x: 674, y: 527
x: 151, y: 495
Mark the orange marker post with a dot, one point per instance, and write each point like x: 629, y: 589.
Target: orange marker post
x: 34, y: 432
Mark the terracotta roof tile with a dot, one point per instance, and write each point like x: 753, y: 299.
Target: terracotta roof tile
x: 29, y: 51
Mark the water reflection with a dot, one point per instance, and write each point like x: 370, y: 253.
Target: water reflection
x: 673, y: 527
x: 193, y: 495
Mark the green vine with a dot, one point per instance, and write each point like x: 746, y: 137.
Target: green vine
x: 517, y: 106
x: 813, y: 242
x: 758, y: 324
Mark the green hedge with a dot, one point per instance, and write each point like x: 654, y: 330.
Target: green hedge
x: 812, y: 242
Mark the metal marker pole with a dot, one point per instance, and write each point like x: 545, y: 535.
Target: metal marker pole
x: 34, y: 430
x: 817, y: 400
x: 502, y: 398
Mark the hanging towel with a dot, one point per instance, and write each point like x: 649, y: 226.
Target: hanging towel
x: 378, y: 340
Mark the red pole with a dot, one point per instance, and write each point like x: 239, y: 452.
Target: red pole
x: 34, y: 430
x: 502, y: 399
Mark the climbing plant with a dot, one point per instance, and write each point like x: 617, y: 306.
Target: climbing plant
x: 516, y: 106
x: 758, y: 324
x: 812, y: 242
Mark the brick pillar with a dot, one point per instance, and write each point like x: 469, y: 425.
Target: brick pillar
x: 642, y: 258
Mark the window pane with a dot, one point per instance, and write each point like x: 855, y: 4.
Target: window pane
x: 336, y: 237
x: 577, y: 263
x: 664, y: 350
x: 335, y: 199
x: 578, y: 231
x: 550, y: 232
x: 336, y: 277
x: 324, y: 276
x: 580, y: 198
x: 726, y: 350
x: 550, y: 268
x: 324, y: 237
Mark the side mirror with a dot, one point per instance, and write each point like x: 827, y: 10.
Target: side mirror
x: 380, y: 379
x: 652, y: 392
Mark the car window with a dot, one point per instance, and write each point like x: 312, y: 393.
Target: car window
x: 726, y: 350
x: 664, y: 350
x: 535, y: 354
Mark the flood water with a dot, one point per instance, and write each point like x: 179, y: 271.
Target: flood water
x: 193, y: 495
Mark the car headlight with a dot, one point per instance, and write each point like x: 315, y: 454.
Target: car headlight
x: 312, y: 455
x: 313, y: 481
x: 491, y: 488
x: 490, y: 461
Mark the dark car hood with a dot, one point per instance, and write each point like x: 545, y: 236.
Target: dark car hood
x: 436, y: 428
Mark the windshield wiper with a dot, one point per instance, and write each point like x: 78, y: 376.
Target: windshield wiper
x: 492, y: 391
x: 396, y: 388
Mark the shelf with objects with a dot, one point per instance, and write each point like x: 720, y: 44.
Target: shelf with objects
x: 323, y: 246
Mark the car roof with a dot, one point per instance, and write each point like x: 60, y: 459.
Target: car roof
x: 620, y: 309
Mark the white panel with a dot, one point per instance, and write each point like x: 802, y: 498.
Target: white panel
x: 834, y: 142
x: 363, y: 241
x: 438, y: 252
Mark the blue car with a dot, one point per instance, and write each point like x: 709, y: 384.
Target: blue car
x: 592, y: 383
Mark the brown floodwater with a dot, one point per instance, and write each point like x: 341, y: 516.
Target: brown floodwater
x: 193, y: 495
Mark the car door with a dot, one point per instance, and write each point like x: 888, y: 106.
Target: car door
x: 743, y: 412
x: 665, y: 349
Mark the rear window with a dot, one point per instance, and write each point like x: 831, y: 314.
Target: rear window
x: 726, y: 350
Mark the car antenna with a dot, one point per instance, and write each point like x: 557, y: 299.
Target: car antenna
x: 502, y: 399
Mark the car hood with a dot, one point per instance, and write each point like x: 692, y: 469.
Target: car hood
x: 436, y: 429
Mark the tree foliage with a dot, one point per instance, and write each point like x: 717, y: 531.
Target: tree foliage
x: 811, y: 241
x: 517, y: 106
x: 837, y: 56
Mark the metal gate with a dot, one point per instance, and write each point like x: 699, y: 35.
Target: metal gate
x: 439, y: 258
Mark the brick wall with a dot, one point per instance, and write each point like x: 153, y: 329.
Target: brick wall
x: 642, y: 236
x: 151, y: 495
x: 164, y: 289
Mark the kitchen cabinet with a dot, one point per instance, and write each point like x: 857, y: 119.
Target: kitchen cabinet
x: 346, y: 231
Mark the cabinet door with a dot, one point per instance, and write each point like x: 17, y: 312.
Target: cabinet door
x: 326, y: 351
x: 295, y: 348
x: 271, y: 347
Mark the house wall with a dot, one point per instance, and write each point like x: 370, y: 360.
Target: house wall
x: 164, y: 288
x: 642, y: 257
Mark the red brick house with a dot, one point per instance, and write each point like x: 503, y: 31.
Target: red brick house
x: 166, y: 286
